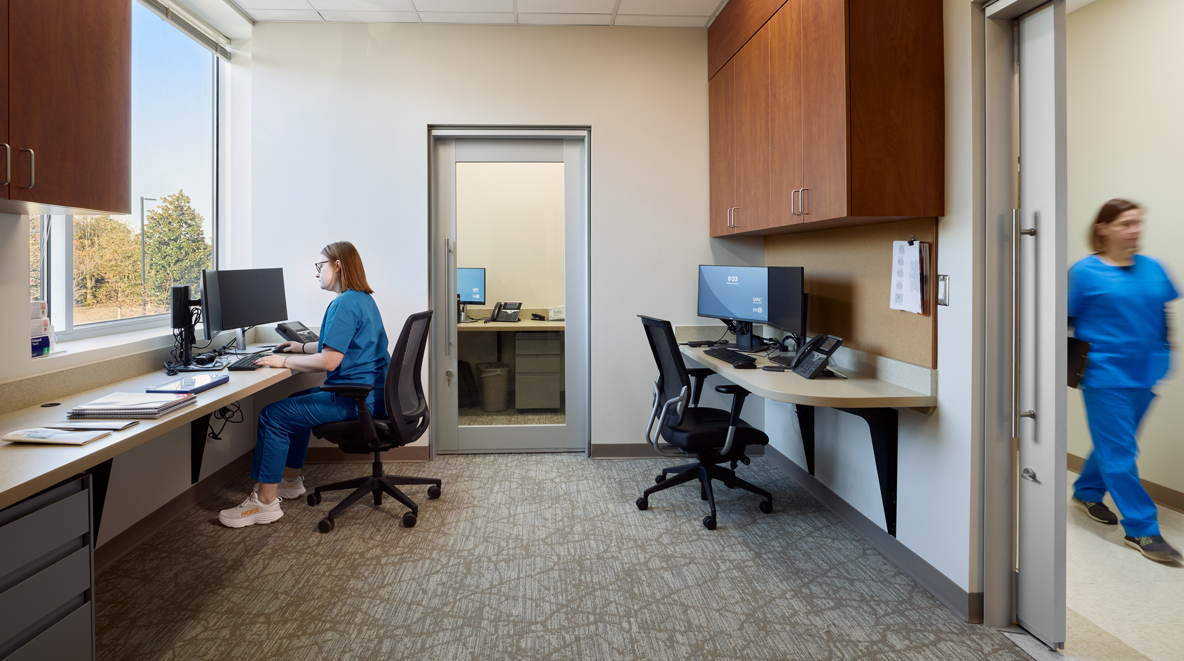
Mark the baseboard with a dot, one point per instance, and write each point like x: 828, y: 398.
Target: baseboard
x: 123, y: 543
x: 336, y: 456
x: 1164, y: 496
x: 646, y: 451
x: 968, y: 606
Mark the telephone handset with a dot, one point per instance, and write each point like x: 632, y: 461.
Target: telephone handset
x: 294, y: 331
x: 812, y: 358
x: 506, y: 312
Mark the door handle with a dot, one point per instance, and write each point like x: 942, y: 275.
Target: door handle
x: 32, y: 169
x: 448, y: 275
x: 1029, y: 475
x: 7, y: 164
x: 1016, y: 233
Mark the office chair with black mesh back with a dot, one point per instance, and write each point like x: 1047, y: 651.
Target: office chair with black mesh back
x: 407, y: 418
x: 712, y: 436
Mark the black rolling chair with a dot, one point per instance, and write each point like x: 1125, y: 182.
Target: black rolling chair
x: 712, y: 436
x: 407, y: 419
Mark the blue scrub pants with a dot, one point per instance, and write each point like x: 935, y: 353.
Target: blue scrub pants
x: 286, y: 426
x: 1114, y: 415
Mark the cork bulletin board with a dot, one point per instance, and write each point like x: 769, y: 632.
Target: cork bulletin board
x: 848, y: 273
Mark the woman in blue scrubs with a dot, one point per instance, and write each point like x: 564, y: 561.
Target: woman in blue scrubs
x: 1117, y: 303
x: 352, y: 349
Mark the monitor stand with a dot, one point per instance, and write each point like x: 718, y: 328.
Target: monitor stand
x: 464, y: 317
x: 240, y: 340
x: 745, y: 340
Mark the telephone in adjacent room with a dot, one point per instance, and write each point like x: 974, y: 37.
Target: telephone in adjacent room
x: 294, y: 331
x: 506, y: 312
x: 812, y: 358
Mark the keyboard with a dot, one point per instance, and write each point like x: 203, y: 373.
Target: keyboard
x: 247, y: 363
x: 729, y: 356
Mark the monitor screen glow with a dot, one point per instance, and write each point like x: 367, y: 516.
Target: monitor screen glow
x: 470, y: 286
x: 734, y: 292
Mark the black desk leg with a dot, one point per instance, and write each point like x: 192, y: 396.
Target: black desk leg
x: 882, y: 423
x: 100, y: 477
x: 806, y: 425
x: 197, y: 445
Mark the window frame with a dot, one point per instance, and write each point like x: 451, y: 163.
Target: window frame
x: 59, y: 253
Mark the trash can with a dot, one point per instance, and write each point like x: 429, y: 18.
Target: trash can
x: 493, y: 380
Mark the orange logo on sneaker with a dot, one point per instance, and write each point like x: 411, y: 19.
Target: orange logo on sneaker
x: 249, y: 512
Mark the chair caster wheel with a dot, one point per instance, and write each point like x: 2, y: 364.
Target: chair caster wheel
x: 326, y: 524
x: 433, y: 492
x: 766, y: 506
x: 660, y: 478
x: 709, y: 522
x: 314, y: 499
x: 409, y: 520
x: 642, y: 503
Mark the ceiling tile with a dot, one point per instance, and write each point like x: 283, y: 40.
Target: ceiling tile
x: 283, y: 15
x: 370, y: 16
x: 273, y: 4
x: 362, y: 5
x: 470, y: 6
x: 566, y: 6
x: 564, y: 19
x: 465, y: 17
x: 664, y: 21
x: 668, y: 7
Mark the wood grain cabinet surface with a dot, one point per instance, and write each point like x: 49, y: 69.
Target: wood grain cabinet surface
x: 66, y: 104
x: 836, y: 116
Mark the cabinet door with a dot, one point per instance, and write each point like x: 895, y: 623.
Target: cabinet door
x: 786, y: 159
x: 824, y: 94
x: 721, y: 91
x: 752, y: 133
x: 70, y: 103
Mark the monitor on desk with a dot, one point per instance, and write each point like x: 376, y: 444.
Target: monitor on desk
x: 750, y: 295
x: 470, y: 286
x: 241, y: 298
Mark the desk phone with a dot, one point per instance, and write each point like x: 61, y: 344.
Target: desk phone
x: 812, y: 359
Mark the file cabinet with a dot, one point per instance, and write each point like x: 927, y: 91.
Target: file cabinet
x: 538, y: 370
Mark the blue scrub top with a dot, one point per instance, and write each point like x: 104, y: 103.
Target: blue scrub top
x: 353, y: 326
x: 1120, y: 312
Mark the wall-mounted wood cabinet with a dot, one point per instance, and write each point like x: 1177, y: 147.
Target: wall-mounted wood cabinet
x: 65, y: 106
x: 831, y: 114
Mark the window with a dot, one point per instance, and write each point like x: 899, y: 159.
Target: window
x: 117, y: 271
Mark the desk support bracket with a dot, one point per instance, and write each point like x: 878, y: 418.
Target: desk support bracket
x: 883, y: 426
x: 100, y: 477
x: 198, y: 429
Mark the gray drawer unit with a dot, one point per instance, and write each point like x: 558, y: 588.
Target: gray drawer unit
x: 538, y: 370
x: 47, y: 575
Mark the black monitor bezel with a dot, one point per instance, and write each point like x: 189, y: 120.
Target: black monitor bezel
x: 483, y: 285
x: 699, y: 293
x: 779, y: 279
x: 211, y: 304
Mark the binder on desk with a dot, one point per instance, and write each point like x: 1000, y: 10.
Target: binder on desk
x: 192, y: 383
x: 144, y: 406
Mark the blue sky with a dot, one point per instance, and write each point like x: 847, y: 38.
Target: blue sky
x: 172, y: 116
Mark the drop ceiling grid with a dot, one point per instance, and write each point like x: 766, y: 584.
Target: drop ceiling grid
x: 655, y: 13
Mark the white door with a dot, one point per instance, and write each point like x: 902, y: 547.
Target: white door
x: 518, y: 265
x: 1041, y: 283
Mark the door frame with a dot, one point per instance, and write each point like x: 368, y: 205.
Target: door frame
x: 1000, y: 50
x: 577, y: 147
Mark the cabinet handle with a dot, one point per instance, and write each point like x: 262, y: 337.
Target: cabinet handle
x: 734, y: 223
x: 7, y: 164
x: 791, y: 194
x: 32, y: 169
x: 730, y: 216
x: 802, y: 202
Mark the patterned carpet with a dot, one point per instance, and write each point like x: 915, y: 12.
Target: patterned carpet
x: 527, y: 557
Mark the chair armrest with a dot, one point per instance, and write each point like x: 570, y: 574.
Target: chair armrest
x: 738, y: 395
x: 350, y: 390
x: 731, y: 389
x: 699, y: 374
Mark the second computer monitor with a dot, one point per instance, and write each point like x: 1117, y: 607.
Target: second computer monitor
x: 470, y: 286
x: 241, y: 298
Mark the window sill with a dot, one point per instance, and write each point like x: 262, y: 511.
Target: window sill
x: 77, y: 353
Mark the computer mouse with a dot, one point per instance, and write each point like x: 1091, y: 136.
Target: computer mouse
x: 204, y: 358
x: 744, y: 365
x: 278, y: 350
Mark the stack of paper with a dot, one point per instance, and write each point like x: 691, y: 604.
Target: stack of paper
x: 42, y: 332
x: 910, y: 277
x: 141, y: 405
x: 55, y: 436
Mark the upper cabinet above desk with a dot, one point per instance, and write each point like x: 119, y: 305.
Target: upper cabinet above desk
x: 65, y: 106
x: 831, y: 113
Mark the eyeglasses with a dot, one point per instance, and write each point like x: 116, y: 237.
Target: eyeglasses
x: 319, y: 265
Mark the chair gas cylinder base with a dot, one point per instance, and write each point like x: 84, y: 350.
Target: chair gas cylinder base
x: 407, y: 419
x: 712, y: 436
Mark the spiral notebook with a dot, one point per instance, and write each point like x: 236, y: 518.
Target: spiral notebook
x: 139, y: 405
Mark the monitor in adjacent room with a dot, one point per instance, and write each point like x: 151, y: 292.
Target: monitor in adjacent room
x: 753, y: 295
x: 241, y: 298
x: 470, y: 286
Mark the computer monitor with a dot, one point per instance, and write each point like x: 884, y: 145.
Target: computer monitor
x: 470, y: 288
x: 750, y: 295
x: 241, y: 298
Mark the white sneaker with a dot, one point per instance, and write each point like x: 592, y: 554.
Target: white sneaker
x: 288, y: 490
x: 250, y: 512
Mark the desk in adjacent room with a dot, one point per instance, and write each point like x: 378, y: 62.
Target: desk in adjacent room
x: 872, y: 399
x: 534, y: 351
